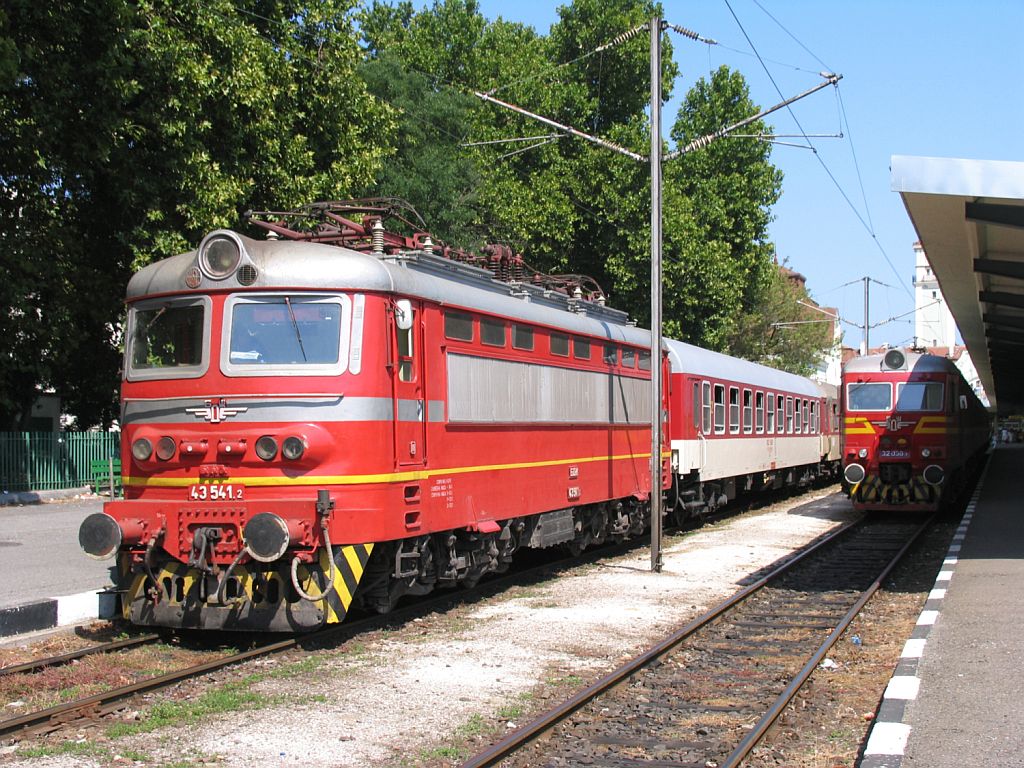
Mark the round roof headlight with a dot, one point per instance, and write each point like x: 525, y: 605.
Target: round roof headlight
x: 220, y: 256
x: 894, y: 359
x: 142, y: 449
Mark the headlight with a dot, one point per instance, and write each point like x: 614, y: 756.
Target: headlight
x: 166, y: 448
x: 863, y: 453
x: 142, y: 449
x: 266, y: 448
x: 925, y: 453
x: 292, y: 448
x: 219, y: 257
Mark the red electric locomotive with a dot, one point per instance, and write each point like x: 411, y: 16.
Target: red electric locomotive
x: 341, y: 415
x: 914, y: 431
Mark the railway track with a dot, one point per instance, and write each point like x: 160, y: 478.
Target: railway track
x: 706, y: 695
x: 106, y: 703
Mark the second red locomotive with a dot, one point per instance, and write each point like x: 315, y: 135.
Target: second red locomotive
x: 914, y: 430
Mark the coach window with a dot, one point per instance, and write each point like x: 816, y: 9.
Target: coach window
x: 580, y: 348
x: 458, y: 326
x: 780, y: 422
x: 719, y: 409
x: 705, y: 404
x: 770, y: 402
x: 789, y: 415
x: 759, y: 412
x: 695, y: 405
x: 748, y: 411
x: 814, y: 417
x: 734, y: 410
x: 797, y: 424
x: 807, y: 416
x: 629, y: 358
x: 559, y: 345
x: 492, y: 332
x: 645, y: 360
x: 611, y: 354
x: 522, y: 337
x: 835, y: 417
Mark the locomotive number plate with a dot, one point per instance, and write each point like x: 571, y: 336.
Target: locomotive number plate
x: 211, y: 492
x: 894, y: 454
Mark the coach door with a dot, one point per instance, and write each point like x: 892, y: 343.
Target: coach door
x: 410, y: 406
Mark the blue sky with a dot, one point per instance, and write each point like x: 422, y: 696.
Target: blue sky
x: 938, y: 78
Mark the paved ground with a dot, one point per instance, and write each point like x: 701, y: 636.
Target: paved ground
x: 46, y: 531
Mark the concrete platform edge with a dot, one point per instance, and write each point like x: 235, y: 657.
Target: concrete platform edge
x: 887, y: 740
x: 57, y: 612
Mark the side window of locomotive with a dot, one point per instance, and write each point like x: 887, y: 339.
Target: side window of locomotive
x: 748, y: 411
x: 695, y: 405
x: 492, y: 332
x: 759, y: 412
x: 719, y: 409
x: 581, y: 348
x: 629, y: 358
x: 770, y: 403
x: 522, y: 337
x: 734, y: 410
x: 611, y: 354
x: 559, y: 345
x: 920, y: 396
x: 406, y: 369
x: 869, y: 396
x: 458, y: 326
x: 168, y: 339
x: 706, y: 407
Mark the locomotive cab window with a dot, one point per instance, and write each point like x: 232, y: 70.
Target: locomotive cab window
x: 404, y: 324
x: 285, y: 334
x: 458, y: 326
x: 869, y: 396
x: 920, y: 396
x: 168, y: 338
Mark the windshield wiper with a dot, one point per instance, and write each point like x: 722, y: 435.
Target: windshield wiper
x: 295, y: 325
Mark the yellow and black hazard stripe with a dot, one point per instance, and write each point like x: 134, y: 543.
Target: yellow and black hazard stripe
x: 349, y: 564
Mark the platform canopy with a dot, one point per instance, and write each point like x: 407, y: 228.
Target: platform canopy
x: 969, y: 217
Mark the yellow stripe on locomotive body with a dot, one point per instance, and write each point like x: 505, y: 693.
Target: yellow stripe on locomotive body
x: 933, y: 425
x: 391, y: 477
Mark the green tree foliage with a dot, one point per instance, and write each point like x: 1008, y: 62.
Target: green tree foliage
x: 134, y: 127
x: 783, y: 330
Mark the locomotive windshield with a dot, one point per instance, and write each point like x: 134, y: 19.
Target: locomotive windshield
x: 869, y: 396
x: 286, y: 333
x: 920, y: 396
x: 167, y: 338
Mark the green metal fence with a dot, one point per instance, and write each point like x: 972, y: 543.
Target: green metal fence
x: 42, y: 461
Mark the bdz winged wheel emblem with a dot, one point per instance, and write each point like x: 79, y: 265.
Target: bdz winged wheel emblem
x: 216, y: 411
x: 894, y: 423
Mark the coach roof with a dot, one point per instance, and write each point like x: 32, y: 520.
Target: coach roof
x: 688, y: 359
